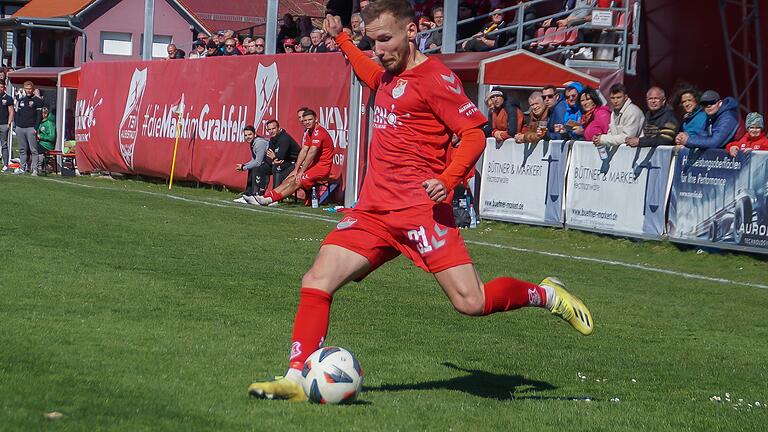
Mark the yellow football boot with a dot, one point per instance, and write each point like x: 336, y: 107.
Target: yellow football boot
x: 279, y: 388
x: 568, y: 307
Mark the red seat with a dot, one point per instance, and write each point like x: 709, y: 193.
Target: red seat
x: 549, y: 37
x: 539, y: 34
x: 572, y: 37
x: 560, y: 37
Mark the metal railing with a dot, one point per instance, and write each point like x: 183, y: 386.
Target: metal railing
x: 518, y: 39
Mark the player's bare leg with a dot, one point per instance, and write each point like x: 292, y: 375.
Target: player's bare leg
x: 470, y: 296
x: 334, y: 266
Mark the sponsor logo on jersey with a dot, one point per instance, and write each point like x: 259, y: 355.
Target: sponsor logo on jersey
x: 346, y: 223
x: 468, y: 109
x: 383, y: 118
x: 399, y: 89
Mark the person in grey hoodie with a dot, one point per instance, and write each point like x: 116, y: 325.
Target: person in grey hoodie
x: 258, y: 150
x: 722, y: 123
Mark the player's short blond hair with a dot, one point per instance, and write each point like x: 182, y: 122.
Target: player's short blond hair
x: 399, y: 9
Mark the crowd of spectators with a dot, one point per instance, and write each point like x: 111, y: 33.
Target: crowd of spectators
x: 691, y: 119
x: 304, y: 34
x: 29, y: 117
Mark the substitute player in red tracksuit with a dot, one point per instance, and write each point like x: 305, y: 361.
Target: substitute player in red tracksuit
x: 403, y: 206
x: 312, y: 165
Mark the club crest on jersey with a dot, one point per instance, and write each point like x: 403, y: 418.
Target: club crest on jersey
x: 399, y: 89
x: 346, y: 223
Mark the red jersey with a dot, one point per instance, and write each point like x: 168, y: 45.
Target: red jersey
x: 319, y: 137
x: 415, y: 114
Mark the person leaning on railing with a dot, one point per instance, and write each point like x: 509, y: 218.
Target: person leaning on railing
x: 661, y: 124
x: 686, y: 101
x: 722, y: 123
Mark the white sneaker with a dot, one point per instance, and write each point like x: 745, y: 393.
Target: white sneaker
x: 250, y: 200
x: 240, y: 200
x: 18, y: 171
x: 5, y: 168
x: 584, y: 53
x: 263, y: 201
x: 34, y: 173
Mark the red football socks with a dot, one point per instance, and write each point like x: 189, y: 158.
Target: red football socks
x: 310, y: 325
x: 276, y: 196
x: 506, y: 293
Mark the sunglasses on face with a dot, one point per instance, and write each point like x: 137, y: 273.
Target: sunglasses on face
x: 230, y: 46
x: 548, y: 96
x: 259, y: 46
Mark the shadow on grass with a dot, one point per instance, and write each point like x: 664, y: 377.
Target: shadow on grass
x: 483, y: 384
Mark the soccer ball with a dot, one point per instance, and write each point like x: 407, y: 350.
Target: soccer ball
x: 332, y: 375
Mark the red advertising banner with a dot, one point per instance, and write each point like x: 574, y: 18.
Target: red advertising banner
x: 127, y: 113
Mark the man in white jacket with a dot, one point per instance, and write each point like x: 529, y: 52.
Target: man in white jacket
x: 626, y: 119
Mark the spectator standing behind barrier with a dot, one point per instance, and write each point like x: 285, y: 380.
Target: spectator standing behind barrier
x: 595, y: 117
x: 211, y: 49
x: 436, y: 37
x: 46, y: 136
x: 256, y: 46
x: 422, y: 39
x: 28, y: 117
x: 661, y: 124
x: 318, y: 45
x: 505, y: 118
x: 175, y: 53
x: 198, y: 50
x: 6, y: 120
x: 535, y: 128
x: 754, y: 139
x: 230, y: 48
x: 282, y: 153
x: 626, y: 119
x: 562, y: 126
x: 722, y: 123
x: 357, y: 34
x: 258, y: 148
x: 694, y: 119
x: 556, y: 106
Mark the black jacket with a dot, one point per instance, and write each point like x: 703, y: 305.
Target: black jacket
x: 660, y: 128
x: 285, y: 147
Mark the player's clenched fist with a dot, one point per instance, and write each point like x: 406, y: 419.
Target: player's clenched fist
x: 332, y: 25
x: 435, y: 189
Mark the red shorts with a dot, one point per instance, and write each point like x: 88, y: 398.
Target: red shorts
x: 313, y: 175
x: 427, y: 235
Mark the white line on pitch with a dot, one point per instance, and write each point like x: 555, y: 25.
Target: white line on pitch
x: 303, y: 215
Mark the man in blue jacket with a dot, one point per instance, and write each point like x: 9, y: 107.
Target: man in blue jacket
x: 722, y: 123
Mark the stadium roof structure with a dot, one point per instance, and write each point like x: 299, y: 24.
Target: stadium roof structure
x: 513, y: 69
x: 40, y: 76
x: 241, y: 14
x: 525, y: 69
x: 41, y: 11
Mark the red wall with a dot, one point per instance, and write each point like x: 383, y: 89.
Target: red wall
x: 683, y: 41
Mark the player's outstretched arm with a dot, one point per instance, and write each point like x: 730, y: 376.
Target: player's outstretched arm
x: 366, y: 69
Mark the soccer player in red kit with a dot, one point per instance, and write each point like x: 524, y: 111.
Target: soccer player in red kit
x: 312, y: 165
x: 419, y: 104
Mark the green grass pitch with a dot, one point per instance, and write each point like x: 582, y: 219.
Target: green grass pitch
x: 126, y: 307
